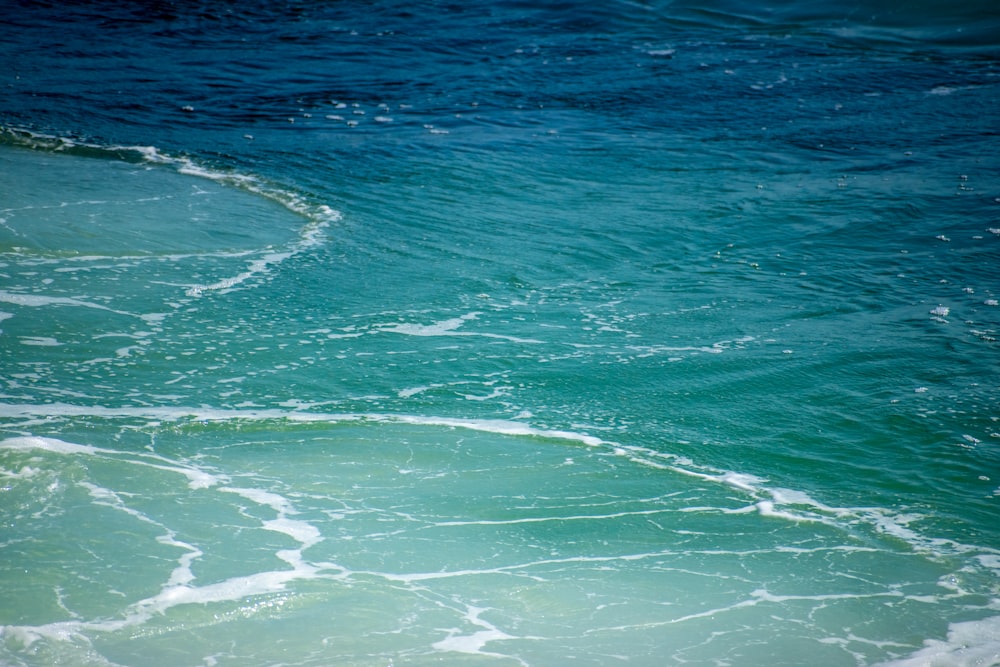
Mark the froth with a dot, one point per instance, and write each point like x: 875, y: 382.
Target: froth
x: 449, y: 327
x: 473, y: 643
x: 38, y: 300
x: 197, y: 479
x: 49, y: 444
x: 969, y: 644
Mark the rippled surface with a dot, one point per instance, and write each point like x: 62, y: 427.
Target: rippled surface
x: 499, y: 333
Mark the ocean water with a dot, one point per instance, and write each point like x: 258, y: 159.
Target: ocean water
x: 499, y: 333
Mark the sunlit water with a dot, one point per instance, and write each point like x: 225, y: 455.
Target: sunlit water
x: 499, y: 334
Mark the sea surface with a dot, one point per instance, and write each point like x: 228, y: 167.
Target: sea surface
x: 500, y: 333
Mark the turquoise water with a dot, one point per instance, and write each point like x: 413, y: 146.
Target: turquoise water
x: 499, y: 334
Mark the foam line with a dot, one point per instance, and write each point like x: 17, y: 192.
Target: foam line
x: 318, y: 216
x: 176, y: 592
x: 474, y: 643
x: 519, y: 569
x: 197, y: 479
x: 448, y: 327
x: 581, y: 517
x: 301, y: 531
x: 499, y: 426
x: 226, y: 284
x: 61, y: 259
x: 309, y: 235
x: 25, y: 443
x: 182, y: 574
x: 37, y: 300
x: 757, y: 597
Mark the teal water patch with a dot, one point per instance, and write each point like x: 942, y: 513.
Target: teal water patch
x: 103, y: 208
x: 203, y: 537
x: 651, y: 333
x: 312, y: 443
x: 96, y: 252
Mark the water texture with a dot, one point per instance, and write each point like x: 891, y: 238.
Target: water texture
x: 640, y: 333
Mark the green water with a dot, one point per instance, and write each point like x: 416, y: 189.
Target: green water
x: 496, y: 411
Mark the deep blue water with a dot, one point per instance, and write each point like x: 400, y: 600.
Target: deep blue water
x: 371, y: 333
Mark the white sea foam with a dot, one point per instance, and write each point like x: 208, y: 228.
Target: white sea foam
x: 39, y: 300
x: 969, y: 644
x: 40, y: 341
x: 197, y: 479
x: 474, y: 643
x: 182, y: 574
x: 940, y: 311
x: 496, y: 393
x: 51, y: 445
x: 235, y: 588
x: 24, y: 473
x: 413, y: 391
x: 278, y: 503
x: 447, y: 327
x: 255, y: 267
x: 499, y: 426
x: 301, y: 531
x: 715, y: 348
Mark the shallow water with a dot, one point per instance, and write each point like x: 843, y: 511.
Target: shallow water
x: 499, y: 333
